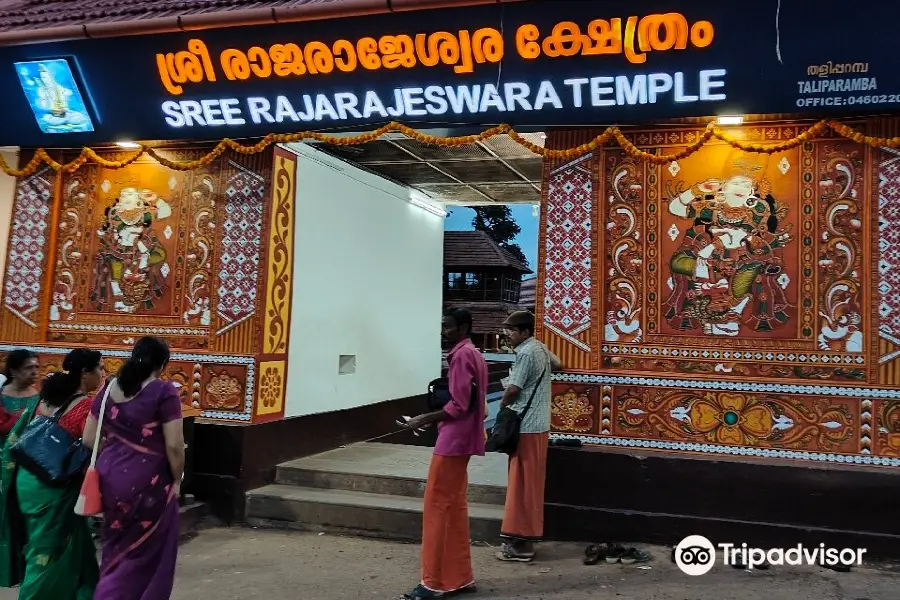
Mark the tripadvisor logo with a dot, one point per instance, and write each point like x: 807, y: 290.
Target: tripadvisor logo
x: 696, y: 555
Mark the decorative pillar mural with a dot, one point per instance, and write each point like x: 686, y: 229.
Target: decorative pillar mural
x: 279, y: 269
x: 26, y: 260
x: 104, y: 255
x: 567, y: 245
x: 749, y: 300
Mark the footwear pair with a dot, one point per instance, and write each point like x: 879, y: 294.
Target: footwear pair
x: 423, y: 593
x: 508, y: 553
x: 614, y: 553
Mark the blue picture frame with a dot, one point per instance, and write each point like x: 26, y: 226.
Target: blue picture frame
x: 54, y: 96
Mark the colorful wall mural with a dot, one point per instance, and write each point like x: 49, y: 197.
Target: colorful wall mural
x: 201, y: 258
x: 727, y: 302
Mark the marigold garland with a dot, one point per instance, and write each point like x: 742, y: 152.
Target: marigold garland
x: 87, y: 154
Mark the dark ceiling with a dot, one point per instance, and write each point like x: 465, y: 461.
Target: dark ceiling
x: 497, y: 170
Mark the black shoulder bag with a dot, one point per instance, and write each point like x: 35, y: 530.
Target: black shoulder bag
x: 505, y: 432
x: 439, y: 394
x: 49, y: 452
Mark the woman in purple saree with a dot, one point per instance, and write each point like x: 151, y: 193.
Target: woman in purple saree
x: 140, y: 464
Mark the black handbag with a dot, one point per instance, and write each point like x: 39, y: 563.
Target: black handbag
x: 439, y: 394
x: 504, y: 435
x: 49, y: 452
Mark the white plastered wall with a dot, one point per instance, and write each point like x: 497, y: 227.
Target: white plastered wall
x: 367, y: 287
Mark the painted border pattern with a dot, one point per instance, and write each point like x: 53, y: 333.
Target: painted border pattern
x: 210, y: 359
x: 742, y: 386
x: 280, y: 257
x: 850, y: 459
x: 778, y: 356
x: 153, y: 330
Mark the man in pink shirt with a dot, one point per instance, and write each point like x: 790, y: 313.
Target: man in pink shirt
x: 446, y: 560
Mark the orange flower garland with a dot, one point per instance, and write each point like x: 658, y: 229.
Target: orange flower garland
x: 87, y: 154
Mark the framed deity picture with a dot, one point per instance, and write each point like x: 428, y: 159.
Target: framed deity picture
x: 54, y: 95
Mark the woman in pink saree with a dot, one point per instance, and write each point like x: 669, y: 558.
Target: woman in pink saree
x: 141, y: 462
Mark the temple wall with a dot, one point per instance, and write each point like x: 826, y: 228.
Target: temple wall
x: 261, y: 272
x: 370, y: 290
x: 201, y: 258
x: 727, y: 302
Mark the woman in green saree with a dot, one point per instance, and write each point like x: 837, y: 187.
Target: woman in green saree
x: 18, y: 390
x: 45, y: 548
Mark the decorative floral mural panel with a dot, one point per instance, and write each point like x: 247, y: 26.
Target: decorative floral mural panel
x: 139, y: 253
x: 815, y: 423
x: 223, y: 387
x: 576, y: 409
x: 748, y: 300
x: 737, y: 418
x: 886, y: 426
x: 734, y: 264
x: 148, y: 250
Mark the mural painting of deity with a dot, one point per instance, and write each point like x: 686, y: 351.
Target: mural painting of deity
x: 728, y: 271
x: 140, y: 243
x: 130, y: 268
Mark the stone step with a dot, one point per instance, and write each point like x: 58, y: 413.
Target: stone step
x: 356, y: 513
x: 191, y: 516
x: 390, y: 469
x: 408, y: 487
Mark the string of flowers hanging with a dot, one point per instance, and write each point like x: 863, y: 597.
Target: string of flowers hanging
x: 610, y: 134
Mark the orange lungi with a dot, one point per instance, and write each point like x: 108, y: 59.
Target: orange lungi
x: 523, y: 518
x: 446, y: 558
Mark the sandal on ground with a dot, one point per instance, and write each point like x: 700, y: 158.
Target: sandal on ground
x: 634, y: 555
x: 422, y: 593
x: 614, y: 552
x: 627, y: 556
x: 509, y: 554
x: 466, y: 589
x: 594, y: 554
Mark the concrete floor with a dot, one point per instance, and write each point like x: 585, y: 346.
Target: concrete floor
x: 244, y: 564
x: 394, y: 460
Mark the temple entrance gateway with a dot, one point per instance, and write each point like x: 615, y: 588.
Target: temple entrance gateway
x: 484, y: 267
x: 716, y: 271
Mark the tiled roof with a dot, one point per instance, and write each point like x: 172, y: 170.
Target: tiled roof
x: 33, y: 21
x: 487, y: 317
x: 16, y: 15
x: 477, y: 249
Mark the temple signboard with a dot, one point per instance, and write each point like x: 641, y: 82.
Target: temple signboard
x: 529, y: 64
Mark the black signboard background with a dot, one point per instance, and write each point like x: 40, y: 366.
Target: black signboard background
x: 120, y: 76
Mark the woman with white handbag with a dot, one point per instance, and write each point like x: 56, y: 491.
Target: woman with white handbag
x: 139, y: 467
